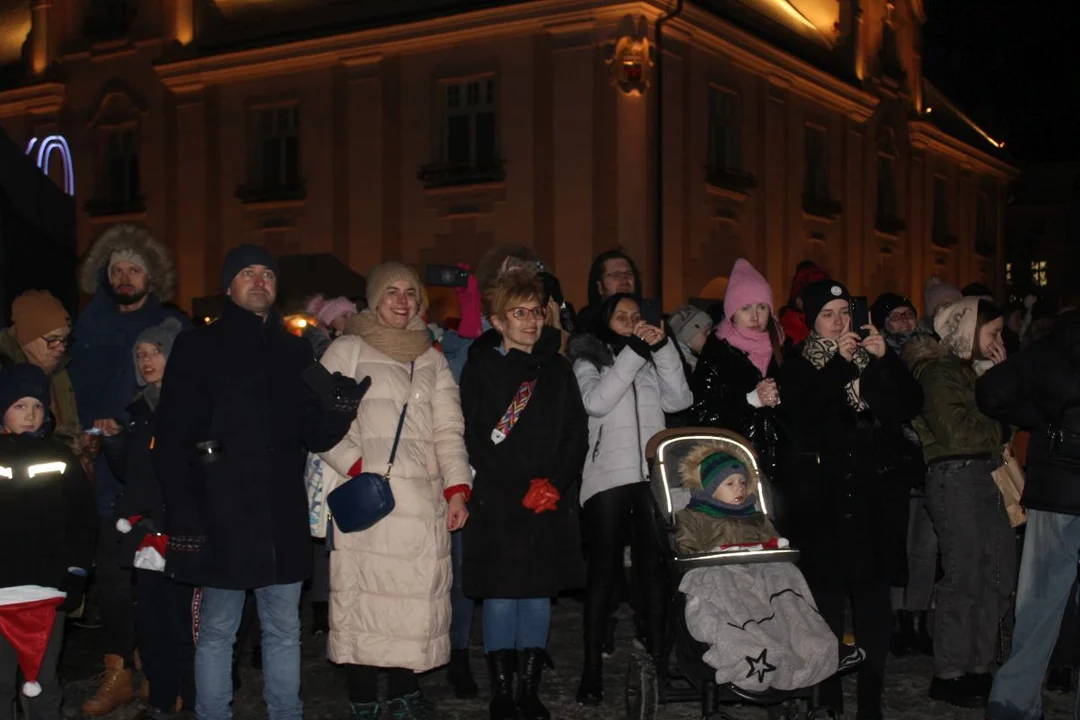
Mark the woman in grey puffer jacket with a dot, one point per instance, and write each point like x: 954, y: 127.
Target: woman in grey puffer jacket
x: 630, y: 374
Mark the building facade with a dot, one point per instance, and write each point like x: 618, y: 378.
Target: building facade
x: 428, y: 130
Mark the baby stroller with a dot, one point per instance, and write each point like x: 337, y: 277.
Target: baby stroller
x: 653, y: 683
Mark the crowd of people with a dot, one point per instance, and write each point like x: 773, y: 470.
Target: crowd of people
x: 193, y: 477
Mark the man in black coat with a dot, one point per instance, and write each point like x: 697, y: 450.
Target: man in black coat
x: 1038, y: 389
x: 235, y: 424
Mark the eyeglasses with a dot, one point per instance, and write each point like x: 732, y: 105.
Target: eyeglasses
x: 620, y: 275
x: 520, y: 313
x: 54, y: 341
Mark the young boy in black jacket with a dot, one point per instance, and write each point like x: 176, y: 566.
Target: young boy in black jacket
x: 48, y: 523
x: 166, y: 609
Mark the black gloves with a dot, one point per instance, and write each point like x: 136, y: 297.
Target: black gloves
x: 348, y: 393
x: 639, y: 346
x: 656, y: 346
x: 74, y: 584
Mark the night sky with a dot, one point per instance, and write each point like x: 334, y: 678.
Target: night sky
x: 1014, y: 67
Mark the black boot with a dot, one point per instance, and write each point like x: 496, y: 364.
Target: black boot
x: 320, y: 618
x: 868, y: 694
x: 923, y: 642
x: 529, y: 706
x: 902, y: 641
x: 501, y: 667
x: 459, y: 674
x: 591, y: 689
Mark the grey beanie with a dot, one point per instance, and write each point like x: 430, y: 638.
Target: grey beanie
x: 163, y: 335
x: 688, y: 321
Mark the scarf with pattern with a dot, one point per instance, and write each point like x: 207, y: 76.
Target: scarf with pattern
x: 819, y: 351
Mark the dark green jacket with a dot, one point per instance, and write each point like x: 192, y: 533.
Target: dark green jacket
x: 950, y: 424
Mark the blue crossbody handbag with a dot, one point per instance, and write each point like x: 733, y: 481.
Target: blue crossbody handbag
x: 367, y: 498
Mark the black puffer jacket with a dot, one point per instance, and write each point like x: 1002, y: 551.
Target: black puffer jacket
x: 1035, y: 389
x: 720, y: 384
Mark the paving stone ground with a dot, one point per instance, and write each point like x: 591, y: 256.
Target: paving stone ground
x: 325, y: 698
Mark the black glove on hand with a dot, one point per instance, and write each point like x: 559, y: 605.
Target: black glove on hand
x: 75, y: 587
x: 639, y: 346
x: 656, y: 346
x: 552, y: 288
x: 348, y: 393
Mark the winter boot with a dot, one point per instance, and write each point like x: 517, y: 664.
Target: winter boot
x: 923, y: 642
x: 591, y: 689
x: 410, y: 707
x: 868, y: 695
x: 116, y: 690
x: 501, y: 667
x: 902, y: 641
x: 529, y: 706
x: 459, y: 674
x: 320, y: 618
x: 364, y: 711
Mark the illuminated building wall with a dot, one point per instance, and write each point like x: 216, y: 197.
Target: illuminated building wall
x: 432, y: 134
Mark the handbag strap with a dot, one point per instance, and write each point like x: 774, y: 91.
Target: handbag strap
x: 400, y: 422
x: 517, y: 406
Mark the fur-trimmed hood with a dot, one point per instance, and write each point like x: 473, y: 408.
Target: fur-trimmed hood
x: 160, y: 268
x: 690, y: 468
x: 588, y: 347
x: 921, y: 350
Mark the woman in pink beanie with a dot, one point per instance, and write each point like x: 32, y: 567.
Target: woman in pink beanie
x: 332, y: 315
x: 734, y: 385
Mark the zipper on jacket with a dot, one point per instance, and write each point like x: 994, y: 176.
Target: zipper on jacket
x: 637, y: 427
x: 596, y: 448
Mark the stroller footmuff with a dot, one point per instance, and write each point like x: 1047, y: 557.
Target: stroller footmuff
x: 765, y: 639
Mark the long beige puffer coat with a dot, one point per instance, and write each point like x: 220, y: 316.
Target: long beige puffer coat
x: 390, y: 584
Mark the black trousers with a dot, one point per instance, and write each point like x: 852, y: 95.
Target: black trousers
x: 871, y: 612
x: 605, y: 518
x: 168, y: 616
x: 363, y: 683
x: 115, y: 595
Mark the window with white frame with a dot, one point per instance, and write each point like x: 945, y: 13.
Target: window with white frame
x: 120, y: 181
x: 725, y: 146
x: 471, y: 123
x: 277, y: 148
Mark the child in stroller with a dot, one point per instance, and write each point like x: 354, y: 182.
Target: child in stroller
x: 758, y: 619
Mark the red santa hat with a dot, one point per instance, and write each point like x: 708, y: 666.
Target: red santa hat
x: 27, y: 615
x: 150, y: 553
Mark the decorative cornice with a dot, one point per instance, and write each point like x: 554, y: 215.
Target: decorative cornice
x: 929, y: 137
x: 402, y: 39
x: 782, y: 69
x: 40, y: 99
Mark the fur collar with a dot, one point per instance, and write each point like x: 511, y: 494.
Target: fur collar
x: 160, y: 268
x: 591, y: 349
x: 920, y: 350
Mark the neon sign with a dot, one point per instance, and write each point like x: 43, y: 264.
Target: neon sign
x: 45, y: 151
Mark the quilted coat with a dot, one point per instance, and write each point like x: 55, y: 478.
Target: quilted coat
x: 625, y: 397
x: 390, y: 584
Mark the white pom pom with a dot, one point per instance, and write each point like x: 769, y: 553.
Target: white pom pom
x: 31, y: 689
x: 123, y: 525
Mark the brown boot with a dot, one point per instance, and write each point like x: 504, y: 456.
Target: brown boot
x: 116, y: 689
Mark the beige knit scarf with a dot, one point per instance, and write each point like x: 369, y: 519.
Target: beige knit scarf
x: 401, y: 345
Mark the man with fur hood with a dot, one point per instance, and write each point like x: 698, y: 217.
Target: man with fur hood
x: 128, y: 275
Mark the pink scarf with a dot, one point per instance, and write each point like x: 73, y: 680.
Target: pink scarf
x: 758, y: 345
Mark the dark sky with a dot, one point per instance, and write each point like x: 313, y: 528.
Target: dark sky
x: 1014, y: 67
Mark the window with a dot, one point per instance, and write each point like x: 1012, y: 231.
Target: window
x: 887, y: 217
x: 816, y: 196
x: 941, y: 234
x: 107, y: 19
x: 1038, y: 273
x: 278, y: 148
x: 121, y: 168
x: 1008, y: 274
x: 469, y: 135
x: 724, y: 146
x: 984, y: 238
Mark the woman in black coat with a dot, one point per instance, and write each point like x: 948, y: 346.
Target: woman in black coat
x: 527, y: 436
x: 844, y: 396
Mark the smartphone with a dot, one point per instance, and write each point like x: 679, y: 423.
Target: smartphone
x: 860, y: 316
x: 446, y: 276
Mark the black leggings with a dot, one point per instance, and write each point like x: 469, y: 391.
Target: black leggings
x: 605, y: 517
x: 363, y: 683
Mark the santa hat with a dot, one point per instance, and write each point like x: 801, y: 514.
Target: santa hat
x: 27, y: 615
x: 150, y: 552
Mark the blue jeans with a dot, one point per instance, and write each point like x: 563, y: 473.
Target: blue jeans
x: 461, y: 607
x: 279, y: 616
x: 520, y: 624
x: 1047, y: 574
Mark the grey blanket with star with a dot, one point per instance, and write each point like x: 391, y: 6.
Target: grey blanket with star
x: 761, y: 625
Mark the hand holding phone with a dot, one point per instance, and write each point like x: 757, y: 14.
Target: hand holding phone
x: 860, y: 316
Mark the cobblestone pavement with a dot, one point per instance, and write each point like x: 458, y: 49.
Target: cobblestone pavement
x: 324, y: 686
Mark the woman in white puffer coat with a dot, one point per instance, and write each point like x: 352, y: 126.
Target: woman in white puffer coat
x: 390, y: 584
x: 630, y: 374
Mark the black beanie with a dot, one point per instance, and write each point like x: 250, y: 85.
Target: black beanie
x: 22, y: 380
x: 885, y: 304
x: 243, y: 256
x: 819, y: 294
